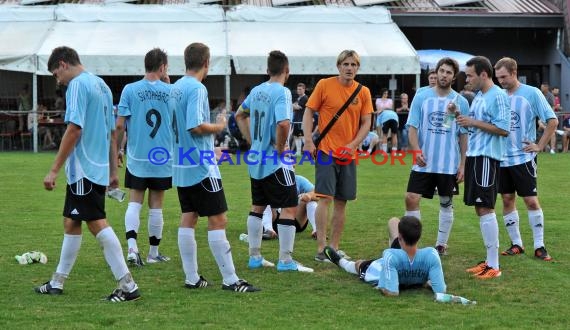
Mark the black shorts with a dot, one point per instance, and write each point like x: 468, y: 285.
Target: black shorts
x: 425, y: 183
x: 519, y: 178
x: 84, y: 200
x: 278, y: 189
x: 333, y: 179
x: 297, y: 129
x: 138, y: 183
x: 206, y: 198
x: 481, y: 181
x: 391, y: 125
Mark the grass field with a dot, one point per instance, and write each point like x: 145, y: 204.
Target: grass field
x: 531, y: 294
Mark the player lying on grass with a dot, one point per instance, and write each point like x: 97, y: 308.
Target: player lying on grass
x: 403, y: 265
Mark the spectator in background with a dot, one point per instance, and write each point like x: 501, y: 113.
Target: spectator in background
x: 298, y: 112
x: 545, y: 88
x: 24, y: 105
x: 467, y: 93
x: 556, y: 93
x: 402, y: 112
x: 43, y: 131
x: 566, y: 133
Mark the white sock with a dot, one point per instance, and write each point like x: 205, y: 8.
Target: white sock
x: 222, y: 252
x: 512, y: 225
x: 299, y: 144
x: 490, y: 232
x: 394, y: 149
x: 416, y: 214
x: 69, y: 251
x: 132, y: 223
x: 155, y: 225
x: 311, y: 209
x: 445, y: 224
x: 127, y: 284
x: 348, y: 266
x: 385, y: 147
x: 286, y: 241
x: 113, y: 252
x: 188, y: 254
x: 267, y: 218
x: 254, y: 233
x: 536, y: 221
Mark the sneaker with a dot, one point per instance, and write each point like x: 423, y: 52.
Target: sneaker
x: 441, y: 249
x: 342, y: 254
x: 240, y: 286
x: 332, y: 255
x: 119, y: 295
x: 292, y: 266
x: 541, y: 253
x: 134, y: 259
x: 321, y: 257
x: 552, y: 152
x: 478, y: 268
x: 157, y: 259
x: 46, y: 288
x: 258, y: 262
x: 513, y: 250
x: 488, y: 273
x: 202, y: 283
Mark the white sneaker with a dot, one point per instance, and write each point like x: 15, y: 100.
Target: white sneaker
x: 343, y: 254
x: 266, y: 263
x: 552, y: 152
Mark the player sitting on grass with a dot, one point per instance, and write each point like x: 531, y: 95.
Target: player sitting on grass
x: 403, y: 265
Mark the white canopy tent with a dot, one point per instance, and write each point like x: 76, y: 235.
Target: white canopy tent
x: 112, y: 39
x: 313, y: 36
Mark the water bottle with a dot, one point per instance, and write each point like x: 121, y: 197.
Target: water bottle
x: 243, y: 237
x: 116, y: 194
x: 449, y: 298
x: 451, y: 112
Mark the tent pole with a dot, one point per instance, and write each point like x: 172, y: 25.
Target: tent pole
x: 35, y: 109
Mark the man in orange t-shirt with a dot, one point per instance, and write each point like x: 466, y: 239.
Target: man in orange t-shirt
x: 335, y: 168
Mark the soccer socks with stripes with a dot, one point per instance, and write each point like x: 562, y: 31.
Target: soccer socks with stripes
x: 536, y: 221
x: 132, y: 224
x: 188, y: 254
x: 311, y: 209
x: 286, y: 239
x: 69, y: 251
x: 490, y: 232
x: 512, y: 224
x: 348, y: 266
x: 416, y: 214
x: 445, y: 224
x: 254, y: 233
x: 155, y: 225
x: 113, y: 252
x: 222, y: 252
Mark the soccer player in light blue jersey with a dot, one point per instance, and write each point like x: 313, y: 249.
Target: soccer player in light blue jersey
x: 488, y: 124
x: 387, y: 121
x: 144, y: 108
x: 88, y: 147
x: 518, y: 169
x: 428, y: 133
x: 196, y: 174
x: 269, y: 109
x: 402, y: 266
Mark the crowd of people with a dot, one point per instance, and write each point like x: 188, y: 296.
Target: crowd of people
x: 486, y: 150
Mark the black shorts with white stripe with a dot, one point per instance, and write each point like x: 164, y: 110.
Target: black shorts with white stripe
x: 206, y: 198
x: 481, y: 181
x: 519, y: 178
x: 84, y: 201
x: 278, y: 189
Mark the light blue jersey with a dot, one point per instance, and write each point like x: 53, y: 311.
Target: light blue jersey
x: 145, y: 105
x: 439, y: 144
x: 491, y: 107
x: 89, y: 106
x: 395, y: 270
x: 527, y: 104
x: 267, y: 104
x: 386, y: 115
x: 303, y: 185
x: 193, y: 154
